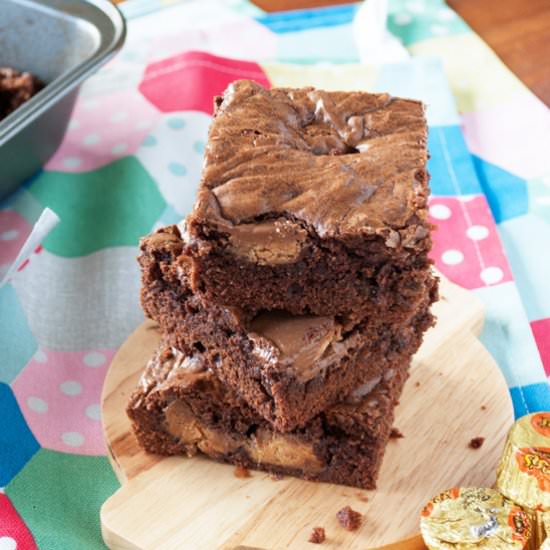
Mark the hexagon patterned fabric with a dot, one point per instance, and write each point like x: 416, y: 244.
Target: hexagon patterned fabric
x: 130, y: 162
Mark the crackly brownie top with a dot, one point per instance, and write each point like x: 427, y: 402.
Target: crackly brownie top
x: 284, y: 162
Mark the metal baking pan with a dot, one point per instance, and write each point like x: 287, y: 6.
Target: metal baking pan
x: 62, y: 42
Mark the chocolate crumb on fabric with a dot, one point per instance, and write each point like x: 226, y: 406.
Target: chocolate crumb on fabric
x: 396, y: 434
x: 349, y: 519
x: 476, y: 442
x: 483, y: 407
x: 317, y: 535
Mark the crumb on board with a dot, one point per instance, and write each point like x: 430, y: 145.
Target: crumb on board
x: 362, y: 497
x: 396, y: 433
x: 317, y: 535
x: 241, y: 472
x: 276, y: 477
x: 483, y: 407
x: 417, y: 384
x: 349, y: 519
x: 476, y: 442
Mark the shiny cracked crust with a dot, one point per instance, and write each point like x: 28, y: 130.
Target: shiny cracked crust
x: 180, y: 407
x: 342, y: 163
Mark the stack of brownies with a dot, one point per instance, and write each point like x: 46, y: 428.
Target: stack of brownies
x: 292, y: 298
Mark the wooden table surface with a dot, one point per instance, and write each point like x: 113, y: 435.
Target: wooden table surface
x: 518, y: 31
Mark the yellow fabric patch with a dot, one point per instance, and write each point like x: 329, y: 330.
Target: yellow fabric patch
x: 478, y: 78
x: 325, y: 77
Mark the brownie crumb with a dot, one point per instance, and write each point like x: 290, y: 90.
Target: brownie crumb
x: 417, y: 384
x: 396, y: 433
x: 241, y: 472
x: 349, y: 519
x: 317, y: 535
x: 277, y: 477
x: 483, y: 407
x: 362, y: 497
x: 476, y: 442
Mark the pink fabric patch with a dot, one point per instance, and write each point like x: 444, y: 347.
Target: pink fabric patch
x: 104, y: 128
x: 14, y: 229
x: 541, y: 332
x: 59, y: 395
x: 467, y: 248
x: 13, y: 527
x: 499, y: 134
x: 189, y: 82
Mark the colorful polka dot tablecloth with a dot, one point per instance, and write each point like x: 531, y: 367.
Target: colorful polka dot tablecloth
x: 130, y: 162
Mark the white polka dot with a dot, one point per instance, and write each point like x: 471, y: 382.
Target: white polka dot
x: 94, y: 359
x: 491, y: 275
x: 477, y: 232
x: 9, y: 235
x: 440, y: 212
x: 93, y: 412
x: 445, y: 14
x: 438, y: 29
x: 452, y: 257
x: 402, y: 19
x: 73, y: 439
x: 72, y: 162
x: 119, y: 117
x: 415, y: 7
x: 71, y: 387
x: 119, y: 148
x: 7, y: 543
x: 91, y: 139
x: 90, y: 104
x: 37, y: 405
x: 40, y: 356
x: 73, y: 125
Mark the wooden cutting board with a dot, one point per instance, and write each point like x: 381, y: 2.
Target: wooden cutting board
x: 456, y: 392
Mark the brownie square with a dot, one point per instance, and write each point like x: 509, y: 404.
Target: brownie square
x: 316, y: 201
x: 181, y: 407
x: 288, y: 368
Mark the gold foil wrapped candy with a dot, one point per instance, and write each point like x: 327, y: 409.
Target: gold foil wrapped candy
x: 543, y: 525
x: 523, y: 474
x: 524, y: 471
x: 474, y: 518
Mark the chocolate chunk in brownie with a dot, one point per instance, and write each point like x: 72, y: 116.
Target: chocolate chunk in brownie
x: 287, y: 367
x: 317, y: 535
x: 349, y: 519
x: 181, y: 407
x: 318, y: 200
x: 15, y: 89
